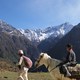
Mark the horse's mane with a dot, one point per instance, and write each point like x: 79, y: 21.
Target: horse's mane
x: 45, y: 54
x: 53, y: 59
x: 56, y: 60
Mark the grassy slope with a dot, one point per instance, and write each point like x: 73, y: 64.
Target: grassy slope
x: 6, y: 75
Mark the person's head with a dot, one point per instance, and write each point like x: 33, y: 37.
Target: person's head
x: 20, y: 52
x: 68, y: 47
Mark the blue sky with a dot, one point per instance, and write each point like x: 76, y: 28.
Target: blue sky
x: 34, y: 14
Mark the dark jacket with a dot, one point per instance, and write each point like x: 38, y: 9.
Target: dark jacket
x: 71, y: 57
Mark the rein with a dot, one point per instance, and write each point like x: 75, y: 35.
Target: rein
x: 53, y: 68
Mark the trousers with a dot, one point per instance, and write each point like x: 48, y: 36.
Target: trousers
x: 23, y: 74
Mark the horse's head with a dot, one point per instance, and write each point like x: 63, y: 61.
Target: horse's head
x: 41, y: 60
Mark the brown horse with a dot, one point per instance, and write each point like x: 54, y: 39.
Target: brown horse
x: 50, y: 63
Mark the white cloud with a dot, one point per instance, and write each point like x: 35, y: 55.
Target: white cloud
x: 71, y: 9
x: 67, y: 6
x: 54, y: 10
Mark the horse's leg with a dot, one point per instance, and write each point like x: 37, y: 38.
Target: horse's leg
x: 61, y: 77
x: 73, y: 79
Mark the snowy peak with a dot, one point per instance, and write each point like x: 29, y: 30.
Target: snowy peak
x: 6, y: 26
x: 54, y: 31
x: 64, y: 28
x: 30, y: 34
x: 8, y: 29
x: 36, y: 35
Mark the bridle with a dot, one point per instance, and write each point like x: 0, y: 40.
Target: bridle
x: 48, y: 64
x: 38, y: 60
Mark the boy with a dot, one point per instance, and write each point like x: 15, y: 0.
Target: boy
x: 24, y: 64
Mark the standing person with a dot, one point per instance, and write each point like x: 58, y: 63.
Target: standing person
x: 70, y: 59
x: 24, y: 64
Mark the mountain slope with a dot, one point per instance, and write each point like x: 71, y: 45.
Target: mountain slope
x: 73, y: 37
x: 59, y: 32
x: 11, y: 40
x: 9, y: 29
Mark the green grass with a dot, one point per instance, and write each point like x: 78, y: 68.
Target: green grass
x: 6, y: 75
x: 39, y: 76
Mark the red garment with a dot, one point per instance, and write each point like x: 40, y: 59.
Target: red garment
x: 27, y: 61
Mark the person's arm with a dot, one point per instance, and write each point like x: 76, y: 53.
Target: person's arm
x: 20, y: 62
x: 66, y: 59
x: 73, y: 57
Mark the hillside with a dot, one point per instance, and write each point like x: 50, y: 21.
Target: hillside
x: 73, y: 37
x: 11, y: 40
x: 58, y: 32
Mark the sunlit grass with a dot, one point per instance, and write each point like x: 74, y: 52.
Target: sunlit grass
x: 6, y: 75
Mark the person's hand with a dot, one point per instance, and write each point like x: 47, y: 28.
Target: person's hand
x: 19, y: 66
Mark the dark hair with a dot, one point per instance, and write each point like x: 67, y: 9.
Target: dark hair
x: 21, y: 55
x: 69, y: 46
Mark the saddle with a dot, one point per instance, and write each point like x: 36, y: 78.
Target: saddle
x: 74, y: 70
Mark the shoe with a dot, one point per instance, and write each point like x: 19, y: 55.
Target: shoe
x: 68, y: 75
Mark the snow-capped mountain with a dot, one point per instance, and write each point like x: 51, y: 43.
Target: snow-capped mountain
x: 38, y: 34
x: 9, y: 29
x: 54, y: 31
x: 59, y: 50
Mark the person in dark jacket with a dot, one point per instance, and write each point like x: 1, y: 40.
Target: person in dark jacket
x: 70, y: 59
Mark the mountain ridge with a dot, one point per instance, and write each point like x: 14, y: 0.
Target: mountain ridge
x: 11, y: 40
x: 40, y: 35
